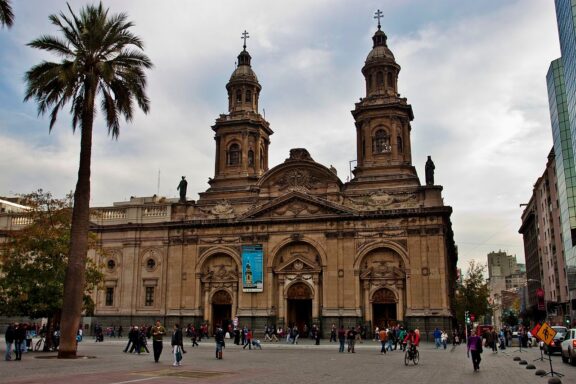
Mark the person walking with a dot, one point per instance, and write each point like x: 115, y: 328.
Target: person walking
x: 383, y: 337
x: 444, y: 339
x: 9, y: 337
x: 19, y: 340
x: 437, y: 337
x: 248, y: 340
x: 177, y: 344
x: 351, y: 336
x: 219, y: 339
x: 341, y: 338
x: 158, y: 332
x: 475, y: 349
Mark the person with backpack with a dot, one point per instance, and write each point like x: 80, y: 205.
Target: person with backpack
x: 219, y: 339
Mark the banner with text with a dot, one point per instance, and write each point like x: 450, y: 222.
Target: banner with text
x: 252, y: 268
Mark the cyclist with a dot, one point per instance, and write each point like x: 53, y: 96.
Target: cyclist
x: 413, y: 339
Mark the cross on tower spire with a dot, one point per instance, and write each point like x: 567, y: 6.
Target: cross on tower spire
x: 378, y: 15
x: 245, y: 36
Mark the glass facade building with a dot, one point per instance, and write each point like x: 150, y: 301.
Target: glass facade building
x: 561, y: 80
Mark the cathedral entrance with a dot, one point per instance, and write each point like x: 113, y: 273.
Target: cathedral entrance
x: 299, y: 306
x: 221, y: 309
x: 384, y: 308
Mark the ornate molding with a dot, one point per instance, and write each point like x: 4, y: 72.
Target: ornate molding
x: 381, y: 199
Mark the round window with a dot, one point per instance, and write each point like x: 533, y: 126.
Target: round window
x: 151, y: 263
x: 111, y: 264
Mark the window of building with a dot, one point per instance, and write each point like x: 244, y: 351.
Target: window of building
x: 234, y: 155
x: 109, y: 296
x: 369, y: 81
x: 379, y: 78
x: 381, y: 142
x: 250, y: 158
x: 239, y: 96
x: 111, y: 264
x: 390, y: 80
x: 248, y: 96
x: 150, y: 263
x: 261, y: 158
x: 149, y: 299
x: 399, y: 144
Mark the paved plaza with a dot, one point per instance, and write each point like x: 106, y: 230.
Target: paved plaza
x: 278, y: 363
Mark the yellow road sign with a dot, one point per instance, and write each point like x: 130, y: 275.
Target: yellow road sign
x: 546, y: 333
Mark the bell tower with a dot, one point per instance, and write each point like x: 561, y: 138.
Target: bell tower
x: 242, y: 135
x: 382, y: 120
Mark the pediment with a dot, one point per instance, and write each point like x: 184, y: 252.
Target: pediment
x: 297, y: 265
x: 384, y: 272
x: 297, y: 205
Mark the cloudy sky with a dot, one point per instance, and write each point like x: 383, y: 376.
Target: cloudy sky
x: 474, y: 72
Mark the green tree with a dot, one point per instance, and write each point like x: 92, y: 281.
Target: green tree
x: 6, y: 14
x: 472, y: 295
x: 33, y: 260
x: 100, y: 58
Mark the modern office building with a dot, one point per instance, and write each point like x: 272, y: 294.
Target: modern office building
x: 561, y: 81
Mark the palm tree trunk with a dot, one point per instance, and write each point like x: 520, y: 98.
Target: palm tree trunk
x: 75, y: 279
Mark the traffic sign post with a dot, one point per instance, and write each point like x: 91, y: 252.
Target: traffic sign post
x: 546, y: 334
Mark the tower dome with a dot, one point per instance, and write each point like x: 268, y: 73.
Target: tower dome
x: 380, y: 68
x: 243, y: 86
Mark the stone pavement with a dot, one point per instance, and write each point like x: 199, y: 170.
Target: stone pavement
x: 278, y: 363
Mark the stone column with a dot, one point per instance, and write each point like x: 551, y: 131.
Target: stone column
x: 316, y: 299
x: 281, y: 301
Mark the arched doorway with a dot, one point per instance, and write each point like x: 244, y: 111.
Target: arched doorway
x: 221, y: 309
x: 384, y: 308
x: 299, y: 305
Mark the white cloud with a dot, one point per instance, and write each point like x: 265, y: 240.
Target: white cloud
x: 475, y: 78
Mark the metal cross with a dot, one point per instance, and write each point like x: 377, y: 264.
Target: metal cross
x: 378, y: 16
x: 245, y: 36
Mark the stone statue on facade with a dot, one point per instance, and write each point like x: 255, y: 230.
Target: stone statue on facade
x: 430, y: 171
x: 182, y: 187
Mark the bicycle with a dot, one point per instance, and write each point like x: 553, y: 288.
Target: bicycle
x: 411, y: 354
x: 39, y: 344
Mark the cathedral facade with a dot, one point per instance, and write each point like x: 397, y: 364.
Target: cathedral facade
x: 292, y: 244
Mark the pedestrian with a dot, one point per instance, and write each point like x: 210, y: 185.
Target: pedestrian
x: 333, y: 333
x: 19, y: 339
x: 351, y: 337
x: 248, y: 340
x: 295, y: 335
x: 475, y: 349
x: 9, y: 337
x: 220, y: 343
x: 341, y: 338
x: 177, y: 345
x: 317, y: 336
x: 444, y: 339
x: 383, y: 336
x: 130, y: 339
x: 437, y: 337
x: 158, y: 332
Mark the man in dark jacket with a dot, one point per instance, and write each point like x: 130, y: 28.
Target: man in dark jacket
x: 9, y: 336
x: 19, y: 339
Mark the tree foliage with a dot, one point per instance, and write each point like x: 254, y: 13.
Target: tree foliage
x: 6, y: 14
x: 473, y: 293
x: 33, y: 260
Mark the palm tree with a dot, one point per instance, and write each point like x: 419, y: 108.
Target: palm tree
x: 100, y: 58
x: 6, y: 15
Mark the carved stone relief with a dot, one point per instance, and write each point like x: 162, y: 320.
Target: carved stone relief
x: 381, y: 200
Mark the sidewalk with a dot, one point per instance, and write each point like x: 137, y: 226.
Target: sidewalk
x: 278, y: 363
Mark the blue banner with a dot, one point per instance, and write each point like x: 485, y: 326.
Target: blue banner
x: 252, y: 268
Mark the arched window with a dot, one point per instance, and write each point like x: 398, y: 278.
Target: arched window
x: 379, y: 79
x: 261, y: 158
x: 234, y: 154
x: 369, y: 81
x: 248, y: 96
x: 239, y: 96
x: 390, y: 80
x: 250, y: 158
x: 381, y: 142
x: 399, y: 144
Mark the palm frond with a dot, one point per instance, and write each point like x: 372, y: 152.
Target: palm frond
x: 6, y: 14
